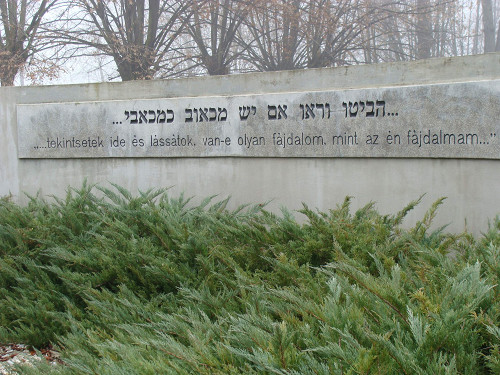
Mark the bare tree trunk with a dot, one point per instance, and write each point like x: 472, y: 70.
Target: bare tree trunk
x: 7, y: 77
x: 497, y: 48
x: 475, y: 44
x: 9, y: 65
x: 424, y: 29
x: 489, y: 26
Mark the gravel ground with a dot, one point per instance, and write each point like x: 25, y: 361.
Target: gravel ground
x: 12, y: 354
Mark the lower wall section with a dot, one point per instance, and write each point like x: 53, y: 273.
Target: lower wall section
x: 470, y: 185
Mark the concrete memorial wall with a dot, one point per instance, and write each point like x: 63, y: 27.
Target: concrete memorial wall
x: 385, y: 133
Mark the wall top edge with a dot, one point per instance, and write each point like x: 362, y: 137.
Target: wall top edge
x: 429, y: 71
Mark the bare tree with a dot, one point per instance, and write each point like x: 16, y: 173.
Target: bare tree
x: 296, y: 34
x: 163, y: 38
x: 335, y: 30
x: 273, y: 27
x: 213, y: 27
x: 421, y: 29
x: 141, y: 36
x: 19, y: 39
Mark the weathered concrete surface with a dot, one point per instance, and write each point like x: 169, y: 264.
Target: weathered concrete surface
x: 454, y: 120
x: 472, y: 186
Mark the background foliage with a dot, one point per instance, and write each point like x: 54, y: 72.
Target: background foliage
x: 152, y: 284
x: 150, y: 39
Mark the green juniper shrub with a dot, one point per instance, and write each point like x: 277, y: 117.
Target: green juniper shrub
x: 152, y: 284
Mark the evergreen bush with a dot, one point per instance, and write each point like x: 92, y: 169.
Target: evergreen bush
x: 150, y: 284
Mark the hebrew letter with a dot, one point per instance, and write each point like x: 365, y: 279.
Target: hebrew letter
x: 134, y: 121
x: 170, y: 119
x: 254, y: 110
x: 381, y: 103
x: 152, y: 119
x: 322, y: 109
x: 197, y: 118
x: 344, y: 104
x: 271, y: 112
x: 362, y: 104
x: 303, y: 112
x: 159, y: 117
x: 309, y: 111
x: 127, y: 113
x: 327, y: 105
x: 282, y: 111
x: 213, y: 114
x: 142, y: 115
x: 189, y: 112
x: 244, y: 113
x: 370, y: 113
x: 222, y: 114
x: 351, y: 106
x: 203, y: 114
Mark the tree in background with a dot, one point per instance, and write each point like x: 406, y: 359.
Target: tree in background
x: 165, y: 38
x: 333, y: 31
x: 273, y: 39
x: 295, y: 34
x: 20, y: 22
x: 214, y: 27
x: 422, y: 29
x: 140, y: 36
x: 489, y: 28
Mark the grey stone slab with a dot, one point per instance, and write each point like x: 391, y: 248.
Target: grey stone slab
x: 454, y: 120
